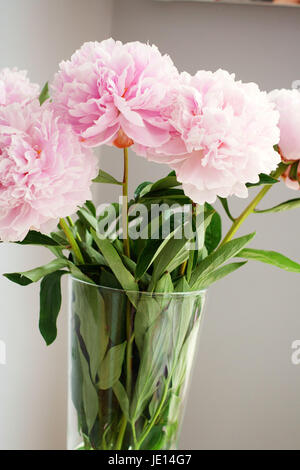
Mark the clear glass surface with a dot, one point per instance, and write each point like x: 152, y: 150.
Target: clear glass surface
x: 130, y: 360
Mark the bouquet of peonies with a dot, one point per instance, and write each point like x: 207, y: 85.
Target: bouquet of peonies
x: 139, y: 266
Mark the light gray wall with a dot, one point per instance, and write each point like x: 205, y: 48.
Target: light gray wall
x: 245, y: 392
x: 37, y: 35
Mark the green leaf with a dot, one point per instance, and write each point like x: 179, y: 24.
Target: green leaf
x: 284, y: 206
x: 108, y: 279
x: 91, y: 207
x: 131, y: 266
x: 94, y: 255
x: 169, y: 195
x: 205, y: 281
x: 151, y: 189
x: 270, y: 257
x: 50, y: 303
x: 148, y: 310
x: 219, y: 257
x: 225, y: 205
x: 60, y: 238
x: 34, y: 275
x: 167, y: 259
x: 89, y: 393
x: 293, y: 172
x: 164, y: 258
x: 115, y: 263
x: 155, y: 439
x: 183, y: 361
x: 180, y: 258
x: 182, y: 285
x: 37, y: 238
x: 155, y: 246
x: 169, y: 181
x: 78, y: 274
x: 140, y: 189
x: 154, y: 358
x: 89, y: 307
x: 111, y: 366
x: 77, y: 380
x: 18, y: 278
x: 165, y: 284
x: 213, y: 233
x: 263, y: 179
x: 122, y: 398
x: 88, y: 219
x: 106, y: 178
x: 44, y: 94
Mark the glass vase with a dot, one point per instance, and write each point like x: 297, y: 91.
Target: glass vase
x: 129, y: 366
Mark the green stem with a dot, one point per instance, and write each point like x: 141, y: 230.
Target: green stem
x: 72, y: 225
x: 129, y: 350
x: 189, y: 263
x: 153, y: 421
x: 134, y: 435
x: 125, y: 206
x: 72, y: 241
x: 251, y: 207
x: 128, y: 305
x: 121, y: 433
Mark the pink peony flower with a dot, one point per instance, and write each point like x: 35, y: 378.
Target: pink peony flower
x: 113, y: 93
x: 228, y: 129
x: 287, y: 103
x: 45, y: 173
x: 15, y: 87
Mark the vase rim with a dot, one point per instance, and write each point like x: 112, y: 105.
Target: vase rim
x: 140, y: 292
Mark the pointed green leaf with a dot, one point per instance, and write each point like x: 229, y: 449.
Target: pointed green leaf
x: 225, y: 205
x: 18, y: 278
x: 148, y: 310
x: 87, y: 218
x: 205, y: 281
x: 270, y: 257
x: 115, y: 263
x: 50, y: 303
x: 44, y: 96
x: 142, y: 189
x: 169, y: 181
x: 219, y: 257
x: 106, y: 178
x: 111, y: 366
x: 164, y: 258
x: 91, y: 207
x: 284, y: 206
x: 37, y: 238
x: 34, y: 275
x: 122, y: 398
x: 90, y: 308
x: 89, y: 393
x: 213, y: 233
x: 263, y: 179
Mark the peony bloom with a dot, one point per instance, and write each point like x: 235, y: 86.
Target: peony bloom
x: 287, y: 103
x: 45, y: 173
x: 228, y: 129
x: 113, y: 93
x: 15, y: 87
